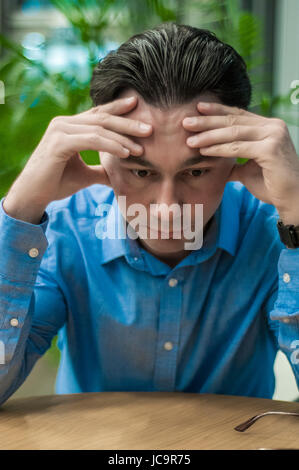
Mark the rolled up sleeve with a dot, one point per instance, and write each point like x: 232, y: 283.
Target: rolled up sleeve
x: 32, y: 305
x: 285, y: 311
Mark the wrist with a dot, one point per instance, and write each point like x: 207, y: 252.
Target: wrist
x: 289, y: 234
x: 22, y: 210
x: 290, y: 218
x: 289, y: 214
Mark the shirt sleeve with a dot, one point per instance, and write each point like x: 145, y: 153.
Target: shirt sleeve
x: 283, y: 307
x: 33, y: 307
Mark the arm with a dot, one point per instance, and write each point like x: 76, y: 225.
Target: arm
x: 283, y: 307
x: 32, y: 306
x: 271, y: 174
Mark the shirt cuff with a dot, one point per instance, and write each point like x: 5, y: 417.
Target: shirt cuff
x: 22, y: 246
x: 286, y: 307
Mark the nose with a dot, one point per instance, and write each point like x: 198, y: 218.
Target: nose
x: 167, y: 193
x: 167, y: 196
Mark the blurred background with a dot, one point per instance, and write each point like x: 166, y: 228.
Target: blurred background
x: 48, y: 49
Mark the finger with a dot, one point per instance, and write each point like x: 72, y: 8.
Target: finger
x: 117, y: 107
x: 73, y: 129
x: 79, y: 142
x: 222, y: 109
x: 123, y: 125
x: 236, y: 149
x: 203, y: 123
x: 135, y: 149
x: 225, y: 135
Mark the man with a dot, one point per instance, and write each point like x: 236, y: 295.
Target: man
x: 145, y: 313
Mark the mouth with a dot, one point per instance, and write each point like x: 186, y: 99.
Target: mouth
x: 170, y: 234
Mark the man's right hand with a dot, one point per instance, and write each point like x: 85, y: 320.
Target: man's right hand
x: 56, y: 169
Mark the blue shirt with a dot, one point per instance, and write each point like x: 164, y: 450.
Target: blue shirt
x: 127, y: 321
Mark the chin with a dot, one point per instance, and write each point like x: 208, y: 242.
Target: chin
x: 163, y: 246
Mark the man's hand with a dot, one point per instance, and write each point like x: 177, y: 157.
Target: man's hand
x: 56, y: 170
x: 272, y: 171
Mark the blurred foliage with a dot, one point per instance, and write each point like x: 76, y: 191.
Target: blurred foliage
x: 33, y: 95
x: 52, y: 356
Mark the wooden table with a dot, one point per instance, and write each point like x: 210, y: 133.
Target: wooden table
x: 145, y: 420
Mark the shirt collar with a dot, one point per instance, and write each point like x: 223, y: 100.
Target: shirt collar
x: 222, y: 233
x: 122, y: 245
x: 229, y: 219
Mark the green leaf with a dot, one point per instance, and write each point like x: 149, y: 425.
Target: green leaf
x: 242, y: 161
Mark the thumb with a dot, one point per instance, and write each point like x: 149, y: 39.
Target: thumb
x: 243, y: 171
x: 96, y: 174
x: 251, y: 176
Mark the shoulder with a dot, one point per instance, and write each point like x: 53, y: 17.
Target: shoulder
x: 81, y: 204
x: 247, y: 205
x: 257, y: 219
x: 77, y: 213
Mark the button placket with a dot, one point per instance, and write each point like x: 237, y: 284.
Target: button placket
x: 286, y: 278
x: 168, y: 345
x: 14, y: 322
x: 173, y: 282
x: 33, y: 252
x: 168, y: 335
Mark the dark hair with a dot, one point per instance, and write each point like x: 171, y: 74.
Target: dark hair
x: 169, y: 65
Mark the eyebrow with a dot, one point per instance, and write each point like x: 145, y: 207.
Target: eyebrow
x: 195, y: 159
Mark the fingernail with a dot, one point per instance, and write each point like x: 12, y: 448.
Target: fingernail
x: 137, y: 148
x: 190, y: 121
x: 144, y: 127
x: 130, y: 100
x: 191, y: 140
x: 204, y: 105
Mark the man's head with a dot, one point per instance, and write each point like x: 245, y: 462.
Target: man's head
x: 170, y: 68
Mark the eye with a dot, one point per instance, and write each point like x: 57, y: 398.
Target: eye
x: 197, y: 172
x: 141, y: 173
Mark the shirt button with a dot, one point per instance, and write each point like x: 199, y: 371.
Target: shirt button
x: 286, y: 277
x: 135, y: 258
x: 172, y: 282
x: 33, y: 253
x: 14, y: 322
x: 168, y: 345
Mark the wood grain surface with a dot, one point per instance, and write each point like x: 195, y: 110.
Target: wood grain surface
x: 145, y: 420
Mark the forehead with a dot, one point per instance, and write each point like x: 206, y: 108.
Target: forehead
x: 166, y: 147
x: 165, y: 122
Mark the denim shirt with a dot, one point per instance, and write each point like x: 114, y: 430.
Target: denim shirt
x: 127, y: 321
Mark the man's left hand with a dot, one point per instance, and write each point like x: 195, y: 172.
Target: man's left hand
x: 272, y: 171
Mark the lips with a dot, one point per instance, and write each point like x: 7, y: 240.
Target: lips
x: 159, y: 232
